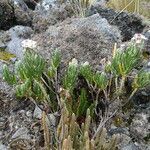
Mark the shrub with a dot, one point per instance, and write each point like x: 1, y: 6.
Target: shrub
x: 79, y: 95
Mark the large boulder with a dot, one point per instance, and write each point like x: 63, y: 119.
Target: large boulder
x: 86, y: 39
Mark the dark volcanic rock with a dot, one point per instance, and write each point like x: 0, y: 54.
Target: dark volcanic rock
x: 129, y: 24
x: 7, y: 16
x: 14, y: 13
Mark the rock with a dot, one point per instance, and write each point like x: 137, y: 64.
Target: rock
x: 3, y: 147
x: 21, y: 139
x: 20, y: 31
x: 4, y: 37
x: 147, y: 42
x: 2, y: 46
x: 37, y: 112
x: 52, y: 119
x: 18, y: 34
x: 129, y: 24
x: 20, y: 4
x: 21, y: 133
x: 29, y: 113
x: 23, y: 14
x: 31, y: 4
x: 140, y: 127
x: 123, y: 135
x: 86, y: 39
x: 46, y: 5
x: 124, y: 140
x: 142, y: 97
x: 23, y: 17
x: 48, y: 12
x: 131, y: 147
x: 7, y: 16
x: 118, y: 130
x: 14, y: 12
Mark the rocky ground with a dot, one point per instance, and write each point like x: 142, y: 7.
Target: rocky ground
x: 53, y: 26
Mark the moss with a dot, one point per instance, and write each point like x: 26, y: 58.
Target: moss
x: 5, y: 56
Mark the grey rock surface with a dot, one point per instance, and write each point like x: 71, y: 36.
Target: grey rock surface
x: 140, y: 125
x: 17, y: 35
x: 37, y: 112
x: 3, y: 147
x: 131, y: 147
x: 21, y: 133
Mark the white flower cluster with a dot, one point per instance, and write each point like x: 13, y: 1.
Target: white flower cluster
x: 29, y: 44
x: 138, y: 38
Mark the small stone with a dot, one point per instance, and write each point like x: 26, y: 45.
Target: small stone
x: 21, y: 133
x: 37, y: 113
x: 52, y: 119
x: 29, y: 113
x: 3, y: 147
x: 21, y: 112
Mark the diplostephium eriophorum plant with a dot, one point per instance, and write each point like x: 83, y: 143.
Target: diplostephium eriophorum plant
x: 78, y: 92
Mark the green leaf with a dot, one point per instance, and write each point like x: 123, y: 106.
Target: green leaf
x: 51, y: 72
x: 83, y: 103
x: 56, y: 58
x: 8, y: 76
x: 100, y: 80
x: 87, y: 73
x: 40, y: 91
x: 70, y: 78
x: 23, y: 89
x: 124, y: 62
x: 141, y: 80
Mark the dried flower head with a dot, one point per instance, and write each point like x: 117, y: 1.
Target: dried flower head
x: 85, y: 64
x: 29, y: 44
x: 138, y: 38
x: 74, y: 62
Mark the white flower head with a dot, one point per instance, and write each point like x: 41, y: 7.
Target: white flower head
x: 29, y: 44
x: 85, y: 64
x: 74, y: 62
x: 138, y: 38
x: 108, y: 62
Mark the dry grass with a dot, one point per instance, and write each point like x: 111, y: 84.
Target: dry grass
x: 81, y: 7
x: 133, y: 6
